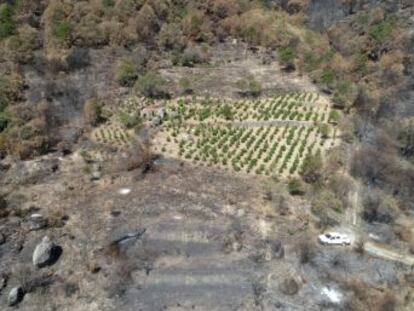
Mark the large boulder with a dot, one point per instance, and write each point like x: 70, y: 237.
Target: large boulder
x: 45, y: 253
x: 15, y: 296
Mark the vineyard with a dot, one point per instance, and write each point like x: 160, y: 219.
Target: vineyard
x: 270, y: 136
x: 266, y: 137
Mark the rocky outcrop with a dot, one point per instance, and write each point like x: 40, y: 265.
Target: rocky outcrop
x: 30, y: 171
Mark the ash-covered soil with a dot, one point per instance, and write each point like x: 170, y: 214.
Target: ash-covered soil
x: 175, y: 238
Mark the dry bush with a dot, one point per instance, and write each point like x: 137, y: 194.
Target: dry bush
x: 341, y: 185
x: 306, y: 251
x: 339, y: 63
x: 389, y: 60
x: 225, y: 8
x: 259, y: 27
x: 335, y: 160
x: 57, y: 217
x: 56, y: 13
x: 113, y: 250
x: 404, y: 233
x: 88, y: 28
x: 297, y: 6
x: 323, y: 206
x: 378, y: 207
x: 365, y: 297
x: 347, y: 129
x: 360, y: 247
x: 20, y: 48
x: 373, y: 166
x: 195, y: 25
x: 137, y: 156
x: 171, y: 37
x: 91, y: 112
x: 146, y: 23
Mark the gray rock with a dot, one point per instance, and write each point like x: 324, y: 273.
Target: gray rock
x: 15, y: 296
x: 96, y: 171
x: 2, y: 238
x: 3, y: 281
x: 157, y: 121
x: 43, y: 253
x: 123, y: 91
x: 36, y: 222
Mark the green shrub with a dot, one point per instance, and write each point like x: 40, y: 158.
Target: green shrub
x: 152, y: 85
x: 26, y: 132
x: 108, y: 3
x: 249, y: 86
x: 360, y: 63
x: 296, y: 187
x: 185, y: 85
x: 334, y: 117
x: 339, y: 101
x: 4, y: 90
x: 4, y: 122
x: 58, y: 27
x: 129, y: 120
x: 226, y: 112
x: 324, y: 131
x: 126, y: 72
x: 344, y: 95
x: 191, y: 57
x: 7, y: 22
x: 382, y: 32
x: 287, y: 54
x: 312, y: 168
x: 328, y: 76
x: 311, y: 61
x: 62, y: 30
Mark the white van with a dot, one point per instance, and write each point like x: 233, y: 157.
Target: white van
x: 334, y: 238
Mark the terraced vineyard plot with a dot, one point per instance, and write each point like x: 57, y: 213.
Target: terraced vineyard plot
x: 268, y: 150
x: 269, y: 136
x: 289, y: 107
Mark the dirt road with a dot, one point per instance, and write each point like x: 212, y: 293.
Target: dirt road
x: 388, y: 254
